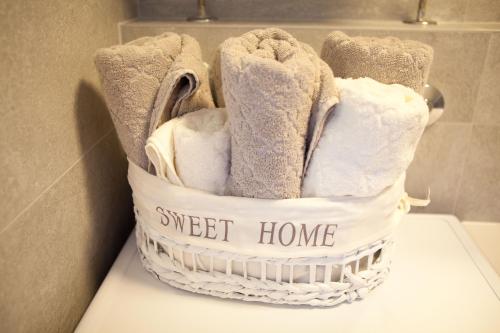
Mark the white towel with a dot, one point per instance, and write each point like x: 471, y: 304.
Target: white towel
x: 160, y: 151
x: 193, y: 151
x: 368, y: 142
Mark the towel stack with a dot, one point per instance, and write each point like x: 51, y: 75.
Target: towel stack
x: 287, y: 128
x: 148, y: 81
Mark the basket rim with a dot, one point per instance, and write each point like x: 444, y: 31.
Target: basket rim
x: 277, y: 203
x: 316, y: 226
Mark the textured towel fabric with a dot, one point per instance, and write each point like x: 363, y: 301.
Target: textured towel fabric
x: 325, y: 96
x: 369, y: 141
x: 216, y: 76
x: 160, y: 151
x: 193, y: 150
x: 202, y: 150
x: 271, y: 84
x: 148, y: 81
x: 387, y: 60
x: 324, y: 99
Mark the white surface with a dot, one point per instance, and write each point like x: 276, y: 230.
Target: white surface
x: 487, y: 237
x: 439, y: 283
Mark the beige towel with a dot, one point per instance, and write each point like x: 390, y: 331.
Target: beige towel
x: 271, y: 84
x: 149, y: 81
x: 216, y: 76
x: 387, y: 60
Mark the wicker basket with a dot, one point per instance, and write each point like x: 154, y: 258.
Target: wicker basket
x: 313, y: 251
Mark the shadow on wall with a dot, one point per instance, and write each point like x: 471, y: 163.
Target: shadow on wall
x: 109, y: 200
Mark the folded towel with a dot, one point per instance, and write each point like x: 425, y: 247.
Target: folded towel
x: 388, y: 60
x: 149, y: 81
x: 193, y: 150
x: 161, y: 152
x: 271, y: 84
x: 216, y: 75
x: 202, y: 149
x: 325, y: 98
x: 369, y: 141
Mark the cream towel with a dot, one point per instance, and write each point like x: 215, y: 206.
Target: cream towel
x: 271, y: 84
x: 202, y: 150
x: 387, y: 60
x: 193, y: 150
x: 161, y: 152
x: 164, y: 73
x: 369, y: 141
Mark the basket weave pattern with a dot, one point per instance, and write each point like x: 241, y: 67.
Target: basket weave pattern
x: 324, y: 281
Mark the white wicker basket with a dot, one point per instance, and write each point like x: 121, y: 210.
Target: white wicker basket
x: 254, y: 260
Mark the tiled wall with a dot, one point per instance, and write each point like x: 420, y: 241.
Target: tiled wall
x: 64, y: 199
x: 459, y: 156
x: 286, y: 10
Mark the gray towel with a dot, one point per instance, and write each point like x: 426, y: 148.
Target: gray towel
x: 387, y: 60
x: 148, y: 81
x: 271, y: 85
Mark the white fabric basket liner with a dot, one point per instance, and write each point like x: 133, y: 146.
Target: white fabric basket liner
x: 267, y: 228
x: 234, y: 262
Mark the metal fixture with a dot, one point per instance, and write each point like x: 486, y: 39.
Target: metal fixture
x: 202, y: 14
x: 421, y: 15
x: 435, y: 101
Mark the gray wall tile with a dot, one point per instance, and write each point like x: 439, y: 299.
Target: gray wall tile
x: 64, y: 199
x: 438, y: 166
x: 280, y: 10
x: 55, y: 256
x: 444, y: 10
x: 299, y: 10
x: 478, y: 199
x: 51, y: 110
x: 482, y: 10
x: 487, y: 109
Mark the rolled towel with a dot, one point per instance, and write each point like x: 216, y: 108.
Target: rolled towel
x: 202, y: 149
x: 387, y: 60
x: 369, y: 141
x: 148, y: 81
x: 216, y: 76
x: 161, y: 152
x: 193, y: 150
x: 271, y: 84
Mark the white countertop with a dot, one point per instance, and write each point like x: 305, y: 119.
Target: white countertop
x: 486, y: 235
x: 439, y: 283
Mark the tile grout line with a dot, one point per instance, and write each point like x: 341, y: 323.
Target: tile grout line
x: 480, y: 85
x: 473, y: 123
x: 32, y: 203
x: 462, y: 172
x: 119, y: 28
x: 120, y: 25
